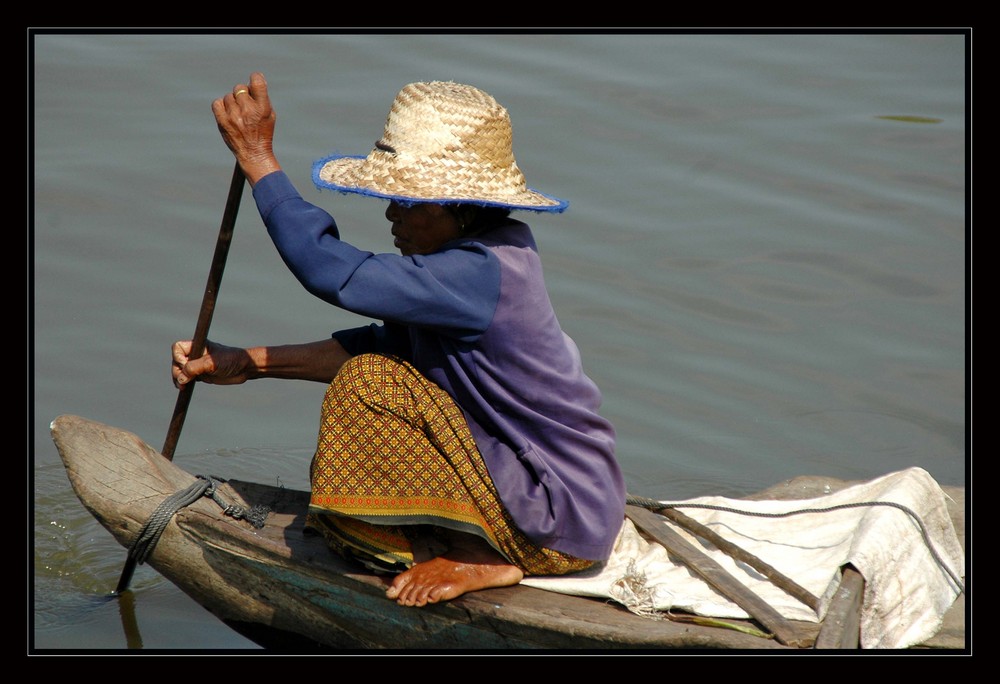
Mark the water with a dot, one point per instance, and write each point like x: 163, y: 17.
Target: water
x: 765, y: 271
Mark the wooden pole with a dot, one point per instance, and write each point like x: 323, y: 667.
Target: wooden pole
x: 784, y: 630
x: 786, y: 584
x: 207, y: 306
x: 200, y: 333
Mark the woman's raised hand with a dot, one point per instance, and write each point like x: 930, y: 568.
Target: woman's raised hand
x: 246, y: 121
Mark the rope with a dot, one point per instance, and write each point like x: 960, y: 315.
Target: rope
x: 654, y: 505
x: 149, y: 535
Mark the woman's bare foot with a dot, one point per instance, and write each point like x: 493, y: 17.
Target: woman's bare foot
x: 469, y: 565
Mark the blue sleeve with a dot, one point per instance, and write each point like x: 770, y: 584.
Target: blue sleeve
x: 453, y: 292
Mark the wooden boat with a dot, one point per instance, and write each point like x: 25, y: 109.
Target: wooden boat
x: 285, y: 589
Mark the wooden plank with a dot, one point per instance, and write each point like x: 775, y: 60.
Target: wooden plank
x: 786, y: 584
x: 784, y: 630
x: 842, y: 625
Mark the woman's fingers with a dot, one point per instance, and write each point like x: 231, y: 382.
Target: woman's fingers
x: 185, y: 369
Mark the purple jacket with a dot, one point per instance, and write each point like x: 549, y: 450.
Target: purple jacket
x: 475, y: 318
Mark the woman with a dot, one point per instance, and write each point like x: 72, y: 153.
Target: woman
x: 460, y: 443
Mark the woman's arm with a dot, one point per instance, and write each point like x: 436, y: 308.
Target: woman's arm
x: 222, y: 365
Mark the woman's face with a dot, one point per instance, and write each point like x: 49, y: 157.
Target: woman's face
x: 422, y: 228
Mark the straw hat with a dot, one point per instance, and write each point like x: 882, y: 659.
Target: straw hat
x: 443, y: 142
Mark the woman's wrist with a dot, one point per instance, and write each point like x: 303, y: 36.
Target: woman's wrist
x: 257, y: 363
x: 256, y: 168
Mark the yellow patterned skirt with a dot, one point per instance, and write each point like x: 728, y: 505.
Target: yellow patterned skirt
x: 395, y: 461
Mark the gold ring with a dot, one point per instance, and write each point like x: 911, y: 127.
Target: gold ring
x: 239, y: 92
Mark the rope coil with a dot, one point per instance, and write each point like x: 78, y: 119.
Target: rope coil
x: 149, y: 535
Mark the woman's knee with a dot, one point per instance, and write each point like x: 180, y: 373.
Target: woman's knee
x: 374, y: 379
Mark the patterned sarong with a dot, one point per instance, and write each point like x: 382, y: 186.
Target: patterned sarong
x: 395, y: 460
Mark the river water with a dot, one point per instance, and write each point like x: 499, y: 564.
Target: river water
x: 764, y: 263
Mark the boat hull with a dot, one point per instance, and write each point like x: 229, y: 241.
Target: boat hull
x: 280, y: 580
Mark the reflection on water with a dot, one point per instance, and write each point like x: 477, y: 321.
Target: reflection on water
x: 130, y: 626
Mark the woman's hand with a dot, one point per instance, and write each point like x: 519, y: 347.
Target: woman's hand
x: 219, y: 365
x: 246, y: 122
